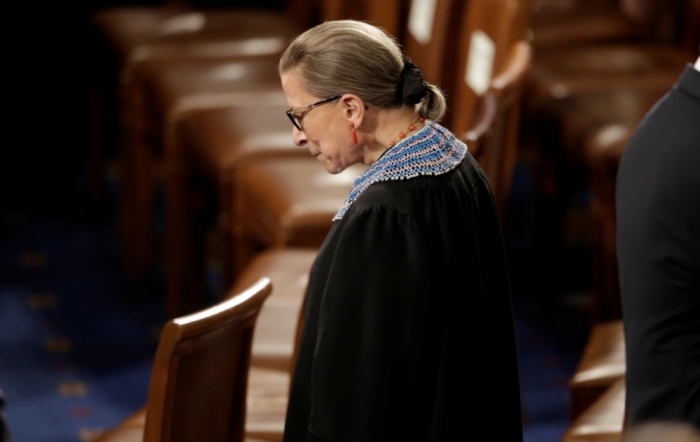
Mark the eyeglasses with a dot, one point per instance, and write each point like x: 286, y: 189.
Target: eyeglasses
x: 297, y: 115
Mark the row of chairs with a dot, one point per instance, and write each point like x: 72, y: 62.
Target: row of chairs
x: 215, y: 121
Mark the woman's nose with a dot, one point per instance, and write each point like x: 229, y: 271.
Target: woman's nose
x: 299, y: 137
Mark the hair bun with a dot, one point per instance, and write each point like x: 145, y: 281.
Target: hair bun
x: 412, y: 87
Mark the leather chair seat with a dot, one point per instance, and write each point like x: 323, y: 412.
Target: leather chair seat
x: 603, y: 363
x: 172, y: 87
x: 219, y: 139
x: 274, y: 338
x: 140, y: 33
x: 290, y: 201
x: 562, y: 22
x: 603, y: 421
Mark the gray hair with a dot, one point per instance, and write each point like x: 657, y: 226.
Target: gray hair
x: 348, y: 56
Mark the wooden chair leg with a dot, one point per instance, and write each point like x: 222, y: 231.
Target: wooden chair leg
x: 178, y: 233
x: 137, y: 175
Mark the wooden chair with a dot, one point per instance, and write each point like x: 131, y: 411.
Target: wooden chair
x: 490, y: 30
x: 200, y: 375
x: 493, y: 141
x: 386, y: 14
x: 431, y: 45
x: 603, y: 421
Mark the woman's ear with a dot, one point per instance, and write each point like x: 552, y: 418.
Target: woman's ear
x: 354, y: 108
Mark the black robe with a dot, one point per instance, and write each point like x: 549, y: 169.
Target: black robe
x: 408, y: 331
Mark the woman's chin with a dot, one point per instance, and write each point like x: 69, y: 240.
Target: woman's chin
x: 333, y: 169
x: 330, y: 166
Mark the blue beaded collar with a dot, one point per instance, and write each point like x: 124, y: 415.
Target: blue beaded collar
x: 433, y: 150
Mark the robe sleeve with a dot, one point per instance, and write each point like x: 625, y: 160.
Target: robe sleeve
x: 375, y: 330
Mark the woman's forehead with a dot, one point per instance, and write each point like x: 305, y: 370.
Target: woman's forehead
x: 294, y: 89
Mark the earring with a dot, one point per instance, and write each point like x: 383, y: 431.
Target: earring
x: 354, y: 134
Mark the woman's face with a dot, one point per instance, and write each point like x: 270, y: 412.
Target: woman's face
x: 326, y: 127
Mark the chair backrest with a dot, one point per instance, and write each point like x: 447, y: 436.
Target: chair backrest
x: 431, y: 40
x: 492, y: 27
x: 493, y: 140
x: 386, y: 14
x: 305, y: 12
x: 200, y: 373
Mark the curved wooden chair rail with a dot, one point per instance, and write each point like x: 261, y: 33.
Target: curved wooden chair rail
x: 502, y: 86
x: 516, y: 69
x: 493, y: 137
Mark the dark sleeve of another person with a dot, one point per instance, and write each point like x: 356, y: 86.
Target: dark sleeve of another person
x: 658, y: 247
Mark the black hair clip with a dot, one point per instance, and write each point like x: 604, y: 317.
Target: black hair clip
x: 412, y: 88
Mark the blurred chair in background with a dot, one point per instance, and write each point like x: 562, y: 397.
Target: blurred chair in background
x: 494, y: 141
x: 571, y: 22
x: 387, y: 14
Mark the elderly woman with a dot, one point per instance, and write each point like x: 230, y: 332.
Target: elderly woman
x: 408, y: 332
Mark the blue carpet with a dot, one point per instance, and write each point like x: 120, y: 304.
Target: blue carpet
x: 76, y: 341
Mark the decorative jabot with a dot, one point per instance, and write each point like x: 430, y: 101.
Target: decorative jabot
x: 433, y: 150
